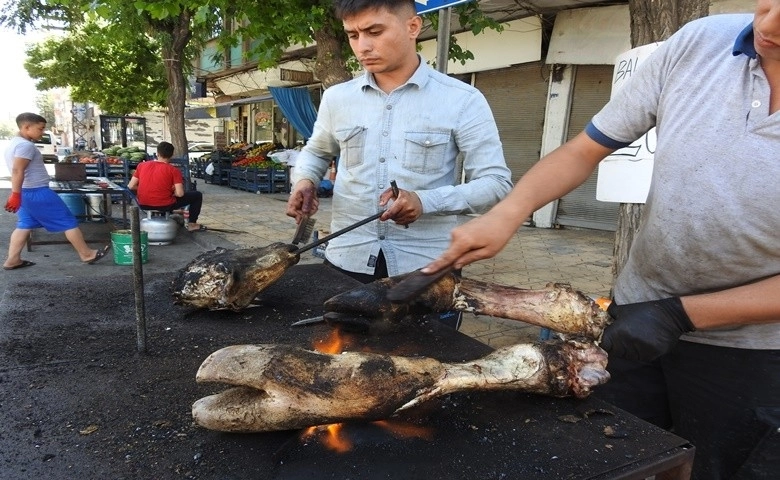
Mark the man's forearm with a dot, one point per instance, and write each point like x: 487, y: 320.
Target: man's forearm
x: 757, y: 302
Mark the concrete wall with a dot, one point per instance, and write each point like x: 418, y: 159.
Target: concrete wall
x: 519, y: 42
x: 201, y: 130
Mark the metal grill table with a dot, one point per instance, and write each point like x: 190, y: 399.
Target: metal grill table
x: 475, y: 435
x: 141, y: 403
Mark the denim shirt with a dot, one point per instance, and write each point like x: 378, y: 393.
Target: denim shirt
x: 416, y: 135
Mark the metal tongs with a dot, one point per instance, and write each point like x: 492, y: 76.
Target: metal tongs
x: 345, y: 229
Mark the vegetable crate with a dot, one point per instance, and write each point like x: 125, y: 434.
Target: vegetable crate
x: 94, y: 169
x: 281, y: 179
x: 221, y: 171
x: 267, y: 180
x: 183, y: 164
x: 199, y: 167
x: 259, y: 181
x: 237, y: 178
x: 118, y: 173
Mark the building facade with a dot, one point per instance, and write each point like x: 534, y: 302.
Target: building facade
x: 543, y: 76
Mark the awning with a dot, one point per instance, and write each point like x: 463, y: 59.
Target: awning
x: 248, y: 100
x: 213, y: 111
x: 222, y: 110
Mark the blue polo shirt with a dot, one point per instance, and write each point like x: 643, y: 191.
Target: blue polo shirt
x: 711, y: 218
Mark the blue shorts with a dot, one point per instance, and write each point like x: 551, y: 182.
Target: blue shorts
x: 43, y: 208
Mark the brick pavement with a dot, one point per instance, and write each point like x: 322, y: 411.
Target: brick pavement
x: 533, y: 258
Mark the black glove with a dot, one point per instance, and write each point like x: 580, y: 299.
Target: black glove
x: 644, y: 331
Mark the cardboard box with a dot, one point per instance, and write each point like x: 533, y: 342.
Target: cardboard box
x: 70, y: 171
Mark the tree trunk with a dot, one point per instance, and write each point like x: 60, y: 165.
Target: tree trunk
x: 651, y: 21
x: 331, y: 67
x: 179, y: 35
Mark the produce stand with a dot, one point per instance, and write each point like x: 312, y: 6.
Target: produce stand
x: 244, y: 167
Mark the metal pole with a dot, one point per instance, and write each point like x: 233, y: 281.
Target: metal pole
x: 443, y: 39
x: 138, y: 281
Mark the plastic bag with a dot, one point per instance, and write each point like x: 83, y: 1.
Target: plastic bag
x: 210, y: 169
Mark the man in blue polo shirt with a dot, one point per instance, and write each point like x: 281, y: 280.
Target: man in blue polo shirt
x: 695, y: 342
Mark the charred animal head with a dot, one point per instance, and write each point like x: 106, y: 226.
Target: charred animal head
x: 231, y: 279
x: 368, y: 304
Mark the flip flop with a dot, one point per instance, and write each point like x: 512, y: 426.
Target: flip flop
x: 25, y: 263
x: 201, y: 228
x: 100, y: 254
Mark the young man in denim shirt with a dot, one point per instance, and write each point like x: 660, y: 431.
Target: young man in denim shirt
x: 399, y: 121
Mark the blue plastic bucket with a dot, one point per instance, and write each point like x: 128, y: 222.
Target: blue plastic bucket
x: 75, y: 203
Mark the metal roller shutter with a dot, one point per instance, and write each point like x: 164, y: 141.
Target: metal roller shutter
x: 517, y: 96
x: 592, y: 86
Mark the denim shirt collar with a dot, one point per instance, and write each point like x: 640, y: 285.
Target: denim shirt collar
x: 744, y: 43
x: 418, y: 78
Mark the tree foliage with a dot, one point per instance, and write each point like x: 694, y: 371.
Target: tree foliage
x: 178, y: 28
x: 121, y: 73
x: 7, y: 130
x: 172, y: 24
x: 276, y: 25
x: 46, y: 108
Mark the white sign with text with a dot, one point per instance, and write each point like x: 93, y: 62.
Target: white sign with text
x: 624, y: 176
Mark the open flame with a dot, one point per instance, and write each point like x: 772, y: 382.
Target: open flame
x: 333, y: 343
x: 333, y: 436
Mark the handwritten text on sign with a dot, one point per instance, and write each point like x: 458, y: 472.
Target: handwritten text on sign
x: 624, y: 176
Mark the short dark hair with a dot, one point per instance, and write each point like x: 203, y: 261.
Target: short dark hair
x: 345, y: 8
x: 27, y: 118
x: 165, y: 150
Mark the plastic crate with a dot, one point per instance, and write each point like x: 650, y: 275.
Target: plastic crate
x: 237, y: 178
x: 118, y: 173
x: 94, y: 169
x: 183, y: 164
x: 198, y: 167
x: 259, y: 180
x: 220, y: 175
x: 281, y: 179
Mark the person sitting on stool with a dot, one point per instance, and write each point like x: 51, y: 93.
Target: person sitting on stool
x: 160, y: 186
